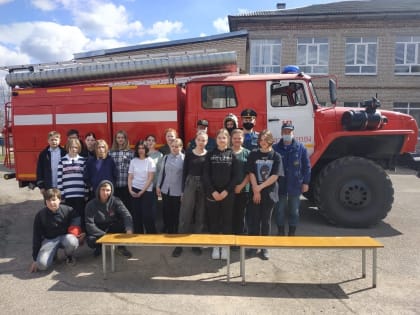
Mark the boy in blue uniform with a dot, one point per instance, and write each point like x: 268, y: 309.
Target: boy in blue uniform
x: 297, y: 175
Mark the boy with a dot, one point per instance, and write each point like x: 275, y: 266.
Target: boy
x: 50, y: 232
x: 46, y: 170
x: 106, y: 214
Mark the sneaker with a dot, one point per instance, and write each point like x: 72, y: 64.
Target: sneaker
x: 177, y: 252
x: 250, y: 252
x: 264, y: 254
x: 124, y: 252
x: 98, y: 251
x: 196, y: 251
x: 216, y: 253
x: 224, y: 254
x: 70, y: 261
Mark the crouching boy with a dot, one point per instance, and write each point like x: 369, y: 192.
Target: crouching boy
x: 106, y: 214
x: 55, y: 226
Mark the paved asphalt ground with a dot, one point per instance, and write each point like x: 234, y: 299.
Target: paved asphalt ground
x: 152, y: 282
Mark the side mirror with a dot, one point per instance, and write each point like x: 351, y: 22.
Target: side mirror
x: 333, y: 91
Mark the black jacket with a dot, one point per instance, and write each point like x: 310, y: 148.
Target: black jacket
x: 220, y: 171
x: 100, y: 216
x: 43, y: 168
x: 49, y: 225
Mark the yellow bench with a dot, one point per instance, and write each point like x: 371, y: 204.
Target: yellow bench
x: 244, y: 242
x: 182, y: 240
x: 319, y: 242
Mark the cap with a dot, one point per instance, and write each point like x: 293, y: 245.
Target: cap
x: 287, y: 125
x: 249, y: 112
x: 203, y: 122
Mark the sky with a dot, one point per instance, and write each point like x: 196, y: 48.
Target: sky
x: 39, y: 31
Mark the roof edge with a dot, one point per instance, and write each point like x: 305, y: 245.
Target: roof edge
x: 126, y: 49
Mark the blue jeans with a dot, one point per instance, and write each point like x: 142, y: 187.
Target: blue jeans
x: 50, y: 246
x: 291, y: 205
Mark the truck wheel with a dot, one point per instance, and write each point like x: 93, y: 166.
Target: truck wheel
x: 354, y: 192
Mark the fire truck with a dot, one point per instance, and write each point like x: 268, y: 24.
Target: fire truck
x: 350, y: 148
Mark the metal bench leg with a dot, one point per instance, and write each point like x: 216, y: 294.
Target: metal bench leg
x: 104, y: 260
x: 228, y: 264
x: 113, y: 258
x: 374, y: 262
x: 242, y: 264
x: 364, y: 263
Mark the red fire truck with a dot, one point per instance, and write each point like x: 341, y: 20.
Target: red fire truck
x: 350, y: 149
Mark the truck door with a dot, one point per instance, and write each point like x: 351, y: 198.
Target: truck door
x: 289, y: 100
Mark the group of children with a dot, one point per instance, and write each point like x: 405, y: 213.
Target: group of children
x: 226, y: 185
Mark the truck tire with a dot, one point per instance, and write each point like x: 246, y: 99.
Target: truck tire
x: 354, y: 192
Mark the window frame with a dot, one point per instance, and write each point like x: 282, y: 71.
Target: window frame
x: 226, y: 97
x: 265, y: 46
x: 290, y: 97
x: 355, y: 46
x: 406, y: 41
x: 312, y: 42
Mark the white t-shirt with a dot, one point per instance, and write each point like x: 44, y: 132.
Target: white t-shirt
x: 140, y: 170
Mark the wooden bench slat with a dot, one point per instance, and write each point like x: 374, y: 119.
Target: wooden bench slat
x: 242, y: 240
x: 169, y: 239
x: 308, y: 241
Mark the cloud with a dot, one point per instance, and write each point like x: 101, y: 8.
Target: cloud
x: 96, y: 25
x: 5, y: 1
x: 43, y: 41
x: 221, y: 25
x: 99, y: 43
x: 106, y: 20
x: 164, y: 28
x: 45, y: 5
x: 10, y: 57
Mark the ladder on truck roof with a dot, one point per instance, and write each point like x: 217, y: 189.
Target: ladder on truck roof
x: 116, y: 68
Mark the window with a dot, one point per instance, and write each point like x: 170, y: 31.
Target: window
x: 407, y: 60
x: 265, y: 56
x: 218, y: 96
x: 361, y: 55
x: 286, y: 94
x: 312, y: 55
x: 412, y: 109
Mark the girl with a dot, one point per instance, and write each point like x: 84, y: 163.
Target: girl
x: 90, y: 142
x: 192, y: 212
x: 70, y: 178
x: 168, y: 186
x: 170, y: 135
x: 242, y: 186
x: 122, y: 155
x: 220, y: 179
x: 140, y: 177
x: 156, y: 156
x: 264, y: 167
x: 99, y: 167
